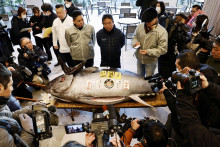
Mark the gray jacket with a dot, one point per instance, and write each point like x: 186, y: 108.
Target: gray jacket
x: 81, y: 42
x: 6, y: 139
x: 155, y: 42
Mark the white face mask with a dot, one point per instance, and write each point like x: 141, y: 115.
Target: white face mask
x: 24, y: 16
x: 67, y: 5
x: 194, y: 24
x: 158, y: 9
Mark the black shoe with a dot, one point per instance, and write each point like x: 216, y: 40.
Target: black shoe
x: 56, y: 64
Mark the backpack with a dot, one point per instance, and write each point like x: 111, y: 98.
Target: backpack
x: 14, y: 131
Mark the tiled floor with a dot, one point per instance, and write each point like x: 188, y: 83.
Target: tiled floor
x: 128, y: 62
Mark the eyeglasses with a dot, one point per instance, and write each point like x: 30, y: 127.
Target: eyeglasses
x: 193, y: 11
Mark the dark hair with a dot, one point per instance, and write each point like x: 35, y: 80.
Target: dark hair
x: 199, y: 20
x: 162, y: 6
x: 179, y: 17
x: 188, y: 58
x: 20, y: 10
x: 47, y: 7
x: 68, y: 0
x: 59, y: 6
x: 197, y: 7
x: 75, y: 14
x: 73, y: 144
x: 35, y: 9
x: 105, y: 16
x: 5, y: 75
x: 156, y: 134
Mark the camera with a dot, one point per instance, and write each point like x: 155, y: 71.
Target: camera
x: 100, y: 126
x: 159, y: 80
x: 203, y: 39
x: 142, y: 122
x: 191, y: 81
x: 43, y: 118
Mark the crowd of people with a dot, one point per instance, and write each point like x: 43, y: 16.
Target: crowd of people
x: 171, y: 42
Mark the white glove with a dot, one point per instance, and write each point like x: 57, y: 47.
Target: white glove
x: 26, y: 122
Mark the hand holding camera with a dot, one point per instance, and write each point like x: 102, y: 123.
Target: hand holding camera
x: 26, y: 122
x: 135, y: 125
x: 90, y: 137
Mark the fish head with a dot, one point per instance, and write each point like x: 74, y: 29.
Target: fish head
x: 59, y: 84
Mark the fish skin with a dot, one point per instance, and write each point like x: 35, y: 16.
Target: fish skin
x: 88, y: 87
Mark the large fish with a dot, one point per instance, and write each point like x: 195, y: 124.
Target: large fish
x: 99, y: 86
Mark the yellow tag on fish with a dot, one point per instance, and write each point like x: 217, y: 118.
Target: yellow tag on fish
x: 117, y: 75
x: 102, y: 74
x: 110, y: 74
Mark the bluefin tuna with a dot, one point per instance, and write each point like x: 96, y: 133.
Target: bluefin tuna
x: 99, y: 86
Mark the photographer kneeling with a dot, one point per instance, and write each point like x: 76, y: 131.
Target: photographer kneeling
x: 34, y: 59
x: 191, y: 125
x: 154, y: 134
x: 10, y: 129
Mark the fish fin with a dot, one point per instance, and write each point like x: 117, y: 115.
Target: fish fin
x: 64, y: 100
x: 71, y: 70
x: 138, y: 99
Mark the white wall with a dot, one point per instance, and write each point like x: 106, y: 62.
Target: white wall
x: 212, y: 9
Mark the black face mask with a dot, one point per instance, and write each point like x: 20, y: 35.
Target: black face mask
x: 3, y: 100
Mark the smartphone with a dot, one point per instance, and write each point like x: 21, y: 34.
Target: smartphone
x: 74, y: 128
x: 137, y: 47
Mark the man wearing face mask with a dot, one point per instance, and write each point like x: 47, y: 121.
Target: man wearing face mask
x: 47, y: 22
x: 208, y: 110
x: 152, y: 39
x: 19, y: 22
x: 60, y: 24
x: 70, y: 7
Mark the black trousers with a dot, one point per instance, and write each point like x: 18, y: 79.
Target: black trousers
x: 68, y: 59
x: 47, y: 43
x: 89, y: 62
x: 39, y: 42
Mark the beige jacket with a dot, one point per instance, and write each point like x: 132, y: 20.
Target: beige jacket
x: 81, y: 42
x: 155, y: 42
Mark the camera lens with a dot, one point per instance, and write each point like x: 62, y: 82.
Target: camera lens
x: 177, y: 76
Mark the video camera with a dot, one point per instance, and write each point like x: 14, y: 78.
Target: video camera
x: 191, y: 82
x: 101, y: 127
x: 43, y: 118
x: 203, y: 37
x: 142, y: 122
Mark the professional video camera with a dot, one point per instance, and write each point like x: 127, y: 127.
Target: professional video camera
x: 203, y: 37
x: 43, y: 118
x: 191, y: 82
x: 159, y: 80
x: 101, y: 127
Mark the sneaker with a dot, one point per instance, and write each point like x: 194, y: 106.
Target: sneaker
x: 56, y: 64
